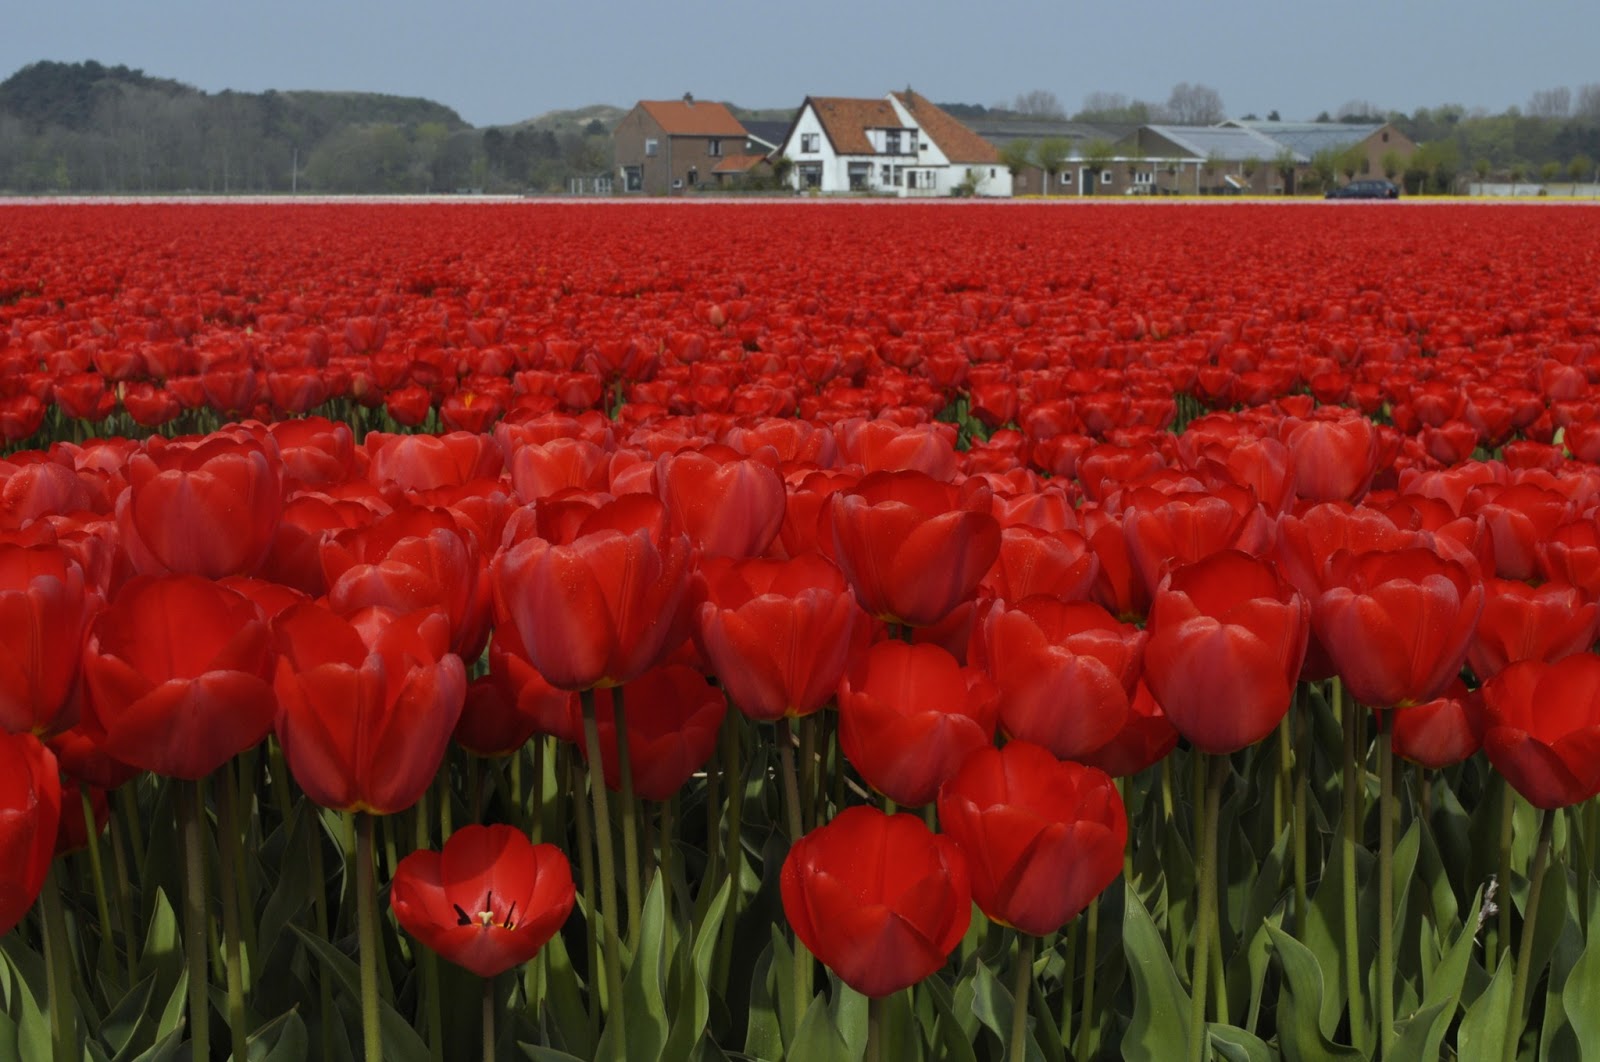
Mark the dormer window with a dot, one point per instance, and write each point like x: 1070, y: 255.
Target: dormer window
x: 891, y: 142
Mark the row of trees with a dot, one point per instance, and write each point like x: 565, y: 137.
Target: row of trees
x: 89, y: 128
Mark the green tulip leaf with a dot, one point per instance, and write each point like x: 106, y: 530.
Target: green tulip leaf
x: 28, y: 980
x: 564, y: 999
x: 1421, y: 1034
x: 1300, y: 1032
x: 1236, y: 1045
x: 817, y: 1039
x: 764, y: 1035
x: 1578, y: 997
x: 283, y: 1039
x: 646, y: 1004
x: 1159, y: 1031
x: 118, y: 1029
x: 952, y: 1038
x: 1483, y: 1027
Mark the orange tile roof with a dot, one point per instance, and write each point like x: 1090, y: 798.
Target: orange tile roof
x: 846, y: 121
x: 699, y: 118
x: 738, y: 163
x: 958, y: 143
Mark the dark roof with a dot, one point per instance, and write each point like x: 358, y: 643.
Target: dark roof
x: 769, y: 133
x: 1230, y: 143
x: 1001, y: 131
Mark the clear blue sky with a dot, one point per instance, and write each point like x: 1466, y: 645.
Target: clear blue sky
x: 499, y: 61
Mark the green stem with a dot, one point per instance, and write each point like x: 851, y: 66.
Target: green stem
x: 1283, y: 791
x: 191, y: 807
x: 488, y: 1019
x: 808, y: 770
x: 733, y: 840
x: 371, y: 943
x: 1502, y: 944
x: 1019, y: 997
x: 1205, y: 905
x: 791, y: 792
x: 1524, y: 973
x: 1386, y: 808
x: 58, y: 971
x: 319, y: 907
x: 1089, y: 1032
x: 128, y: 799
x: 119, y: 866
x: 227, y: 825
x: 422, y: 819
x: 1069, y: 977
x: 593, y: 959
x: 1302, y: 763
x: 630, y: 819
x: 607, y: 871
x: 1350, y: 837
x: 98, y: 873
x: 874, y: 1051
x: 669, y: 809
x: 536, y: 821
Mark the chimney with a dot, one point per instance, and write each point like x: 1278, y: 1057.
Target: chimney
x: 688, y: 98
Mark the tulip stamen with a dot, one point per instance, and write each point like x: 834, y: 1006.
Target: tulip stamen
x: 461, y: 916
x: 510, y: 915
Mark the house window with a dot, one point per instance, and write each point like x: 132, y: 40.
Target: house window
x: 1386, y: 138
x: 635, y: 178
x: 1105, y: 176
x: 991, y: 174
x: 810, y: 142
x: 891, y: 142
x: 885, y: 175
x: 860, y: 173
x: 810, y: 174
x: 650, y: 147
x: 713, y: 147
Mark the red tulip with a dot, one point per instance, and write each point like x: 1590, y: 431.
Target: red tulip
x: 1030, y: 562
x: 424, y: 462
x: 414, y: 558
x: 488, y: 901
x: 1522, y: 622
x: 45, y: 612
x: 1066, y: 672
x: 1042, y: 837
x: 1397, y: 624
x: 911, y: 547
x: 604, y: 606
x: 1334, y: 460
x: 512, y: 703
x: 909, y: 715
x: 777, y: 633
x: 178, y: 671
x: 674, y: 717
x: 1167, y: 531
x: 1543, y: 729
x: 878, y: 898
x: 1443, y: 731
x: 203, y: 507
x: 30, y: 813
x: 1227, y: 636
x: 1144, y: 740
x: 728, y: 507
x: 366, y: 704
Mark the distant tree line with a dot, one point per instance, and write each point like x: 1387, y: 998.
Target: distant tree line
x: 91, y: 128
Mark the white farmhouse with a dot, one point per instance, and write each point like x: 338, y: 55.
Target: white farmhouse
x: 899, y: 145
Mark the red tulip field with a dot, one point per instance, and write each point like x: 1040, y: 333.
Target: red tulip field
x: 799, y: 631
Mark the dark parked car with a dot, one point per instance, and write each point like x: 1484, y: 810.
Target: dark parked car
x: 1378, y: 189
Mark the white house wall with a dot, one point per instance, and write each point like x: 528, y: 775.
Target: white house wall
x: 995, y: 180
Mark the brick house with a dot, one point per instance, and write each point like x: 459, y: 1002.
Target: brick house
x: 672, y: 146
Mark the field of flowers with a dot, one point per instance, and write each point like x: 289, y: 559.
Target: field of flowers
x: 799, y: 631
